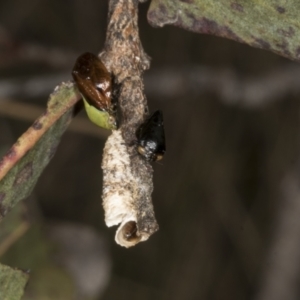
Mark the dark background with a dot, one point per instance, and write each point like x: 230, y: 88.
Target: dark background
x: 231, y: 143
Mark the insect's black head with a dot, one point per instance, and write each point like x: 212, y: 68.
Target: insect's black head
x: 151, y: 137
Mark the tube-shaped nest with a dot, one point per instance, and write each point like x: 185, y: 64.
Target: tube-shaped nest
x: 122, y: 195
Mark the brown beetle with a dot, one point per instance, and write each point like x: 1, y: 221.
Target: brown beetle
x: 93, y: 80
x: 95, y: 85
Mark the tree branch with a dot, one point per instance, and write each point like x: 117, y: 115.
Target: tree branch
x: 127, y: 184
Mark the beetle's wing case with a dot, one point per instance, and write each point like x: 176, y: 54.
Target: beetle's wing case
x: 93, y: 80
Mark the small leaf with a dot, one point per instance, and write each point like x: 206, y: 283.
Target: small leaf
x: 12, y: 283
x: 271, y: 25
x: 21, y: 167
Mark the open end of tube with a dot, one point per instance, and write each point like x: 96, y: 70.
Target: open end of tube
x: 128, y: 234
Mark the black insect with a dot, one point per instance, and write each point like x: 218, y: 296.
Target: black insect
x: 151, y: 137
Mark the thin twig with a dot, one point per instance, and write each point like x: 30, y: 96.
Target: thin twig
x: 29, y: 112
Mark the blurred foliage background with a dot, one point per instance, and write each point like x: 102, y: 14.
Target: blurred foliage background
x: 231, y: 119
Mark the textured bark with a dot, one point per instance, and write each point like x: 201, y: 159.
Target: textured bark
x: 125, y: 58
